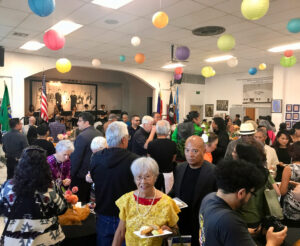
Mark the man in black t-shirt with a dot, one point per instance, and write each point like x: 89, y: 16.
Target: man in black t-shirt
x: 135, y: 125
x: 220, y: 225
x: 42, y: 136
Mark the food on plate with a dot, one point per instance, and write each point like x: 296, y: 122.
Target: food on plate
x: 151, y: 230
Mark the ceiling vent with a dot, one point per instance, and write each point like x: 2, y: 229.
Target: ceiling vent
x: 208, y: 30
x: 20, y: 34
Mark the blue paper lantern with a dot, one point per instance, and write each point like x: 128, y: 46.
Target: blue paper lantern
x: 42, y: 7
x: 122, y: 58
x: 252, y: 71
x: 182, y: 53
x: 294, y: 25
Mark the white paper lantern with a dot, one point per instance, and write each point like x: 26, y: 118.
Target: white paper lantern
x: 135, y: 41
x: 233, y: 62
x: 96, y: 62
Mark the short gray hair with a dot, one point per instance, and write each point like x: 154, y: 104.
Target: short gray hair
x: 98, y: 143
x: 263, y: 131
x: 64, y: 145
x: 143, y: 165
x: 112, y: 117
x: 147, y: 119
x: 162, y: 127
x: 115, y: 132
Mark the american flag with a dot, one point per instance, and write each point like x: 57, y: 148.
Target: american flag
x: 44, y: 103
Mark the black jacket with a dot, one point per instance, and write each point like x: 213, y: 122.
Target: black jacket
x: 81, y: 157
x: 139, y: 139
x: 110, y: 171
x: 220, y: 151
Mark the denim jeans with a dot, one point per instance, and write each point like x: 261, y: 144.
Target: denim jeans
x: 106, y: 228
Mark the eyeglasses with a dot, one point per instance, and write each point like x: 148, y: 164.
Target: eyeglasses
x: 146, y: 178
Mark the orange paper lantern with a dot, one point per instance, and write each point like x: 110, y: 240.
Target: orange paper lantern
x: 139, y: 58
x: 178, y: 70
x: 160, y: 19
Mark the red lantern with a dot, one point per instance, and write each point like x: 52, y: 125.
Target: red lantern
x: 54, y: 40
x: 288, y: 53
x: 178, y: 70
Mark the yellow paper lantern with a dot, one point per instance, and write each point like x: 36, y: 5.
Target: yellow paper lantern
x: 208, y: 71
x: 160, y: 19
x: 226, y: 42
x: 262, y: 66
x: 254, y: 9
x: 63, y: 65
x: 139, y: 58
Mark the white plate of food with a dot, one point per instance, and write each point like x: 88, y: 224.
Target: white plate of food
x: 151, y: 231
x: 181, y: 204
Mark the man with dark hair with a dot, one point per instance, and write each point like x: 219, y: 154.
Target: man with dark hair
x: 237, y: 120
x: 13, y: 144
x: 156, y: 117
x: 80, y: 158
x: 219, y: 223
x: 135, y: 125
x: 57, y: 128
x: 42, y: 136
x: 125, y: 118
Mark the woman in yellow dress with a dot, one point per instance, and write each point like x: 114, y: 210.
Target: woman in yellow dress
x: 145, y: 206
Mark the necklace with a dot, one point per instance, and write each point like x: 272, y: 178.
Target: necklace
x: 137, y: 204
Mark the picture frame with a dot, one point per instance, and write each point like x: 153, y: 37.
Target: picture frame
x: 276, y: 106
x: 288, y: 116
x: 296, y: 107
x: 209, y: 110
x: 296, y: 116
x: 288, y: 124
x: 222, y: 105
x: 289, y: 108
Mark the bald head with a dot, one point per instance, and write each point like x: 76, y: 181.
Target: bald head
x: 194, y: 151
x: 32, y: 120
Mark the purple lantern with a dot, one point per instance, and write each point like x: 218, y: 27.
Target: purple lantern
x: 177, y: 76
x: 182, y: 53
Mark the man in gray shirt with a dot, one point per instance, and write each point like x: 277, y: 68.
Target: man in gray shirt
x: 13, y: 144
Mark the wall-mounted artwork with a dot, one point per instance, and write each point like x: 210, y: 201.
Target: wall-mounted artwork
x: 288, y: 124
x: 209, y: 110
x: 295, y: 116
x: 289, y: 108
x: 276, y: 106
x: 296, y: 107
x: 288, y: 116
x: 222, y: 105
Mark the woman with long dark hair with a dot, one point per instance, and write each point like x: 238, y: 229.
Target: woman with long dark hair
x: 31, y: 203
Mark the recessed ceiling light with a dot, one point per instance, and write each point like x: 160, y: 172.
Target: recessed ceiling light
x: 294, y: 46
x: 219, y: 58
x: 65, y: 27
x: 173, y: 64
x: 32, y: 45
x: 112, y: 4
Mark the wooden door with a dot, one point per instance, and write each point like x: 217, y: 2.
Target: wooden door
x: 250, y: 112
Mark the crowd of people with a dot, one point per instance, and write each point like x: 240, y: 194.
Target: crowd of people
x: 239, y: 179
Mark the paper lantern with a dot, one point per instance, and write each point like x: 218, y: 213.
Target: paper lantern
x: 294, y: 25
x: 182, y: 53
x: 288, y: 53
x: 160, y: 19
x: 177, y: 76
x: 139, y: 58
x: 226, y: 42
x: 135, y: 41
x: 252, y: 71
x: 213, y: 73
x: 178, y: 70
x: 233, y: 62
x: 63, y: 65
x: 288, y: 61
x: 262, y: 66
x: 42, y: 7
x: 54, y: 40
x: 122, y: 58
x: 254, y: 9
x: 96, y: 62
x: 207, y: 71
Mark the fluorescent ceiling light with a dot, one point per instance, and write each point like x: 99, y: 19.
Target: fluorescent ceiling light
x: 32, y: 45
x: 65, y: 27
x: 173, y: 64
x: 112, y: 4
x: 281, y: 48
x: 219, y: 58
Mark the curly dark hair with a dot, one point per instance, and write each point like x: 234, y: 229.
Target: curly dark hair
x: 220, y: 123
x: 233, y: 175
x: 32, y: 173
x: 192, y: 115
x: 276, y: 144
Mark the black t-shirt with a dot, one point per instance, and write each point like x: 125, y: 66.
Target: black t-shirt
x: 138, y: 142
x: 131, y: 132
x: 283, y: 156
x: 163, y: 150
x: 46, y: 145
x: 220, y: 225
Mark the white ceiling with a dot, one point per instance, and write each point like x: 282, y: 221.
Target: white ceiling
x: 96, y: 39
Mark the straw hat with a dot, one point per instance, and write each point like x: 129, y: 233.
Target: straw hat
x: 246, y: 129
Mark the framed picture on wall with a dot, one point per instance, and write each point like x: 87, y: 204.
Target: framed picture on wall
x: 295, y: 116
x: 276, y: 106
x: 289, y: 108
x: 296, y: 107
x: 288, y: 124
x: 288, y: 116
x: 209, y: 110
x: 222, y: 105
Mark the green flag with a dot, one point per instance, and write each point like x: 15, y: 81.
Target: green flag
x: 5, y: 111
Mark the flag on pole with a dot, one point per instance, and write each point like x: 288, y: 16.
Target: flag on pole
x: 5, y: 111
x: 177, y: 106
x: 159, y: 103
x: 171, y: 113
x: 44, y: 103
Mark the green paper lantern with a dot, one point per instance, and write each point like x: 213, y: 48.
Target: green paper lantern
x: 208, y: 71
x: 254, y: 9
x: 288, y: 61
x: 226, y: 42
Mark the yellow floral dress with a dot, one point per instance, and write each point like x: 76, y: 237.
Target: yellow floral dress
x: 164, y: 212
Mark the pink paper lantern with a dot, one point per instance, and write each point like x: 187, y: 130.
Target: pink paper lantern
x: 177, y: 76
x: 54, y: 40
x: 178, y: 70
x: 288, y: 53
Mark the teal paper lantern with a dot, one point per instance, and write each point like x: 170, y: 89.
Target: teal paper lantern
x: 254, y: 9
x: 288, y: 61
x: 122, y: 58
x: 252, y: 71
x: 226, y: 42
x: 42, y: 8
x: 294, y: 25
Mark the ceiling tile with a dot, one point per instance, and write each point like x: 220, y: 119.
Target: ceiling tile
x: 4, y: 30
x: 10, y: 17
